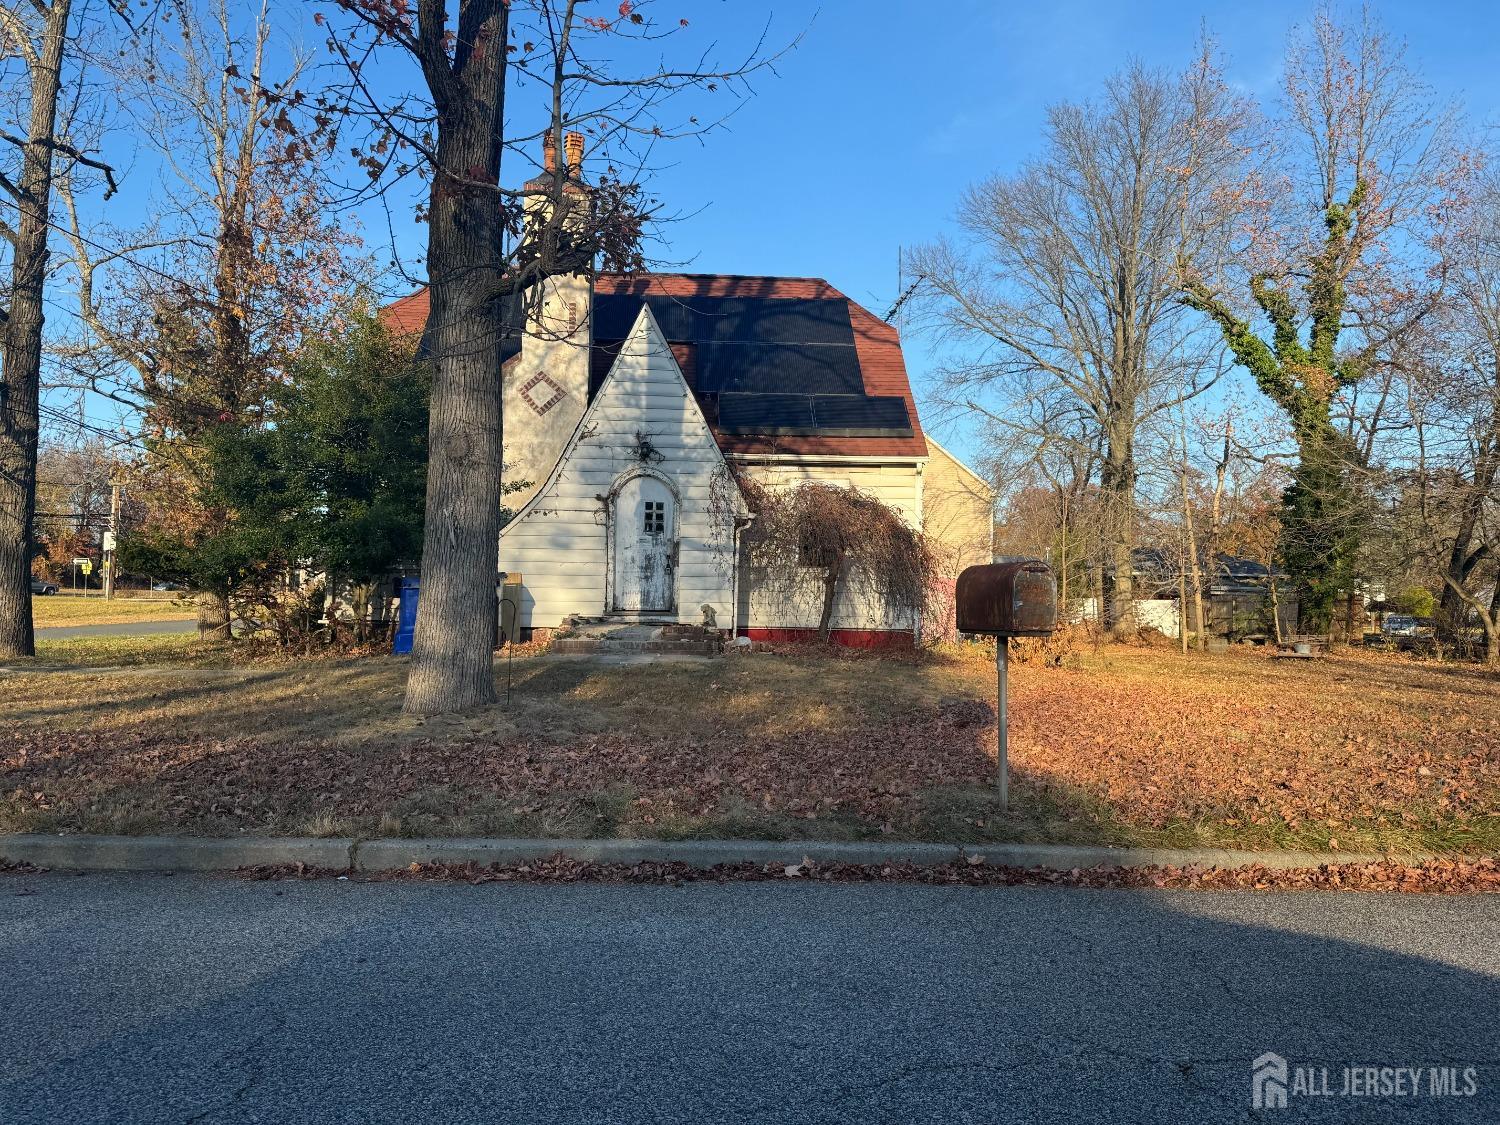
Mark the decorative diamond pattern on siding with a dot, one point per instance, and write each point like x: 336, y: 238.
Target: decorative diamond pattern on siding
x: 547, y: 393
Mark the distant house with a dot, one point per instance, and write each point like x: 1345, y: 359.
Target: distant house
x: 629, y: 399
x: 1236, y: 594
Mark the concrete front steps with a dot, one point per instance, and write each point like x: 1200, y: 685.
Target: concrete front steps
x: 603, y: 636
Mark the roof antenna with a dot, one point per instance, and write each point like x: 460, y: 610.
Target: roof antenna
x: 901, y: 300
x: 905, y: 291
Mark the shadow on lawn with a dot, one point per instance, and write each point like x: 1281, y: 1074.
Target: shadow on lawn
x: 326, y: 700
x: 928, y: 776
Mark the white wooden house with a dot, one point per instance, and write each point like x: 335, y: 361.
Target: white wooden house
x: 626, y: 401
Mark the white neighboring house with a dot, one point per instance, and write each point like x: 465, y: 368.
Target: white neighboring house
x: 626, y: 400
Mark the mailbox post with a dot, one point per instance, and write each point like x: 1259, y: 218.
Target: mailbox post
x: 1014, y: 598
x: 1002, y: 721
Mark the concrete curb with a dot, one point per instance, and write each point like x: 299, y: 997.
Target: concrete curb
x: 383, y: 855
x: 191, y: 853
x: 170, y: 853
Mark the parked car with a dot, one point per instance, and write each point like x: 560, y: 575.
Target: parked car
x: 38, y: 586
x: 164, y: 587
x: 1399, y: 625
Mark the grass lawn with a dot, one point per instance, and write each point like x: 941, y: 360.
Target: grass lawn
x: 134, y: 650
x: 1129, y: 746
x: 94, y: 609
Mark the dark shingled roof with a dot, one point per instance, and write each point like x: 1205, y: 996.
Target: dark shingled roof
x: 779, y: 365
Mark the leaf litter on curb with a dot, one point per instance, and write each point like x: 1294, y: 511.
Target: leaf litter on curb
x: 1390, y: 876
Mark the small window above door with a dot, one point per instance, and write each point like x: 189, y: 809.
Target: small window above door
x: 655, y: 517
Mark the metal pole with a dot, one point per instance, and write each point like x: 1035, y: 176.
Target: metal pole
x: 510, y: 645
x: 114, y: 531
x: 1002, y: 748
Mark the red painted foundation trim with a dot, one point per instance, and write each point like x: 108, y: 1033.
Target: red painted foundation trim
x: 846, y: 638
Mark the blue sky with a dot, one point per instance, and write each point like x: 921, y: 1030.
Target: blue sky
x: 886, y: 110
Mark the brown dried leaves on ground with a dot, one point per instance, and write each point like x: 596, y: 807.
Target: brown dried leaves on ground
x: 1357, y: 752
x: 1433, y: 877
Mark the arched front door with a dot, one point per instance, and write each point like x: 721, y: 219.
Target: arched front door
x: 645, y: 546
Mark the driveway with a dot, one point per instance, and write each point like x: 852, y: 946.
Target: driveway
x: 144, y: 998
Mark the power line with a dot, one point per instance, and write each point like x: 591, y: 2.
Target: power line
x: 113, y: 437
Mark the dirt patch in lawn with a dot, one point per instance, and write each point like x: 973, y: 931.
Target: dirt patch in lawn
x: 1132, y: 747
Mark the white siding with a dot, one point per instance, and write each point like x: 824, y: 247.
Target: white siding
x: 560, y: 542
x: 776, y: 605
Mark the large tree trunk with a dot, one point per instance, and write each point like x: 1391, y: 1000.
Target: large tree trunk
x: 1118, y: 480
x: 214, y: 613
x: 1200, y: 632
x: 1489, y: 618
x: 1350, y: 612
x: 1452, y: 611
x: 1492, y: 629
x: 452, y: 662
x: 21, y: 367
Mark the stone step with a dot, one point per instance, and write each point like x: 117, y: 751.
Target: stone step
x: 594, y: 646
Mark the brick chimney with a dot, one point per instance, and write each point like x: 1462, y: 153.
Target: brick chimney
x: 546, y: 388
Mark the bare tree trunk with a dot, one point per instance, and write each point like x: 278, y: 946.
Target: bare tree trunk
x: 213, y: 616
x: 1275, y: 610
x: 1461, y: 559
x: 1199, y: 622
x: 1118, y: 480
x: 1492, y: 630
x: 1192, y: 561
x: 830, y: 596
x: 1062, y: 552
x: 331, y: 614
x: 1491, y: 640
x: 452, y: 661
x: 1489, y: 618
x: 361, y: 598
x: 21, y: 336
x: 1210, y: 550
x: 1182, y: 632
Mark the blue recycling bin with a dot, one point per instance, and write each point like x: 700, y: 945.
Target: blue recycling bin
x: 406, y: 617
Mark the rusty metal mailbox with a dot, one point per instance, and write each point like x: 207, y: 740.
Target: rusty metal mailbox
x: 1015, y: 598
x: 1007, y: 599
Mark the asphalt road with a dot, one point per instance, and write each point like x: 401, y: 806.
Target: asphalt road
x: 196, y: 999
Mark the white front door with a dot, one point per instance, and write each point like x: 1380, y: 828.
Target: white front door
x: 645, y: 546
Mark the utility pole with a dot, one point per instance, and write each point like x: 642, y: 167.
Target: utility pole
x: 116, y: 483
